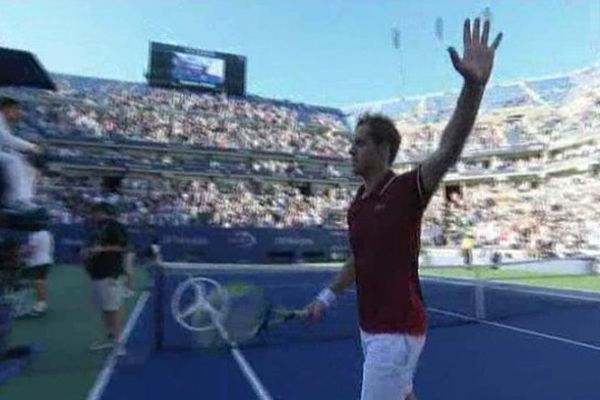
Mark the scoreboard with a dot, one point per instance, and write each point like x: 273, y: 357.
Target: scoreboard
x: 185, y: 67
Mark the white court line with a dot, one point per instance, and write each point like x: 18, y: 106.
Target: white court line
x: 259, y: 389
x: 520, y: 330
x: 217, y: 317
x: 109, y: 366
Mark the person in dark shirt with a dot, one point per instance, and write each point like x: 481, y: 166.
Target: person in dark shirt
x: 104, y: 261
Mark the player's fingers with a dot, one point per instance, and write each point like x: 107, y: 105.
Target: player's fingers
x: 475, y: 35
x: 497, y: 41
x: 467, y: 33
x: 455, y: 58
x: 486, y: 32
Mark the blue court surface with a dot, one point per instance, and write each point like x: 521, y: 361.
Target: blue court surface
x: 546, y: 346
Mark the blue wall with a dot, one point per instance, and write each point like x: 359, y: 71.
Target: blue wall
x: 220, y: 245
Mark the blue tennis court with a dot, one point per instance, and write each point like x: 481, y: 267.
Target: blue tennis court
x: 532, y: 344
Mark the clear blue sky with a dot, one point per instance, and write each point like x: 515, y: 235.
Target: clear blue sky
x: 329, y: 52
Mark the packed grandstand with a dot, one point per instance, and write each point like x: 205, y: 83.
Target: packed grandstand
x: 527, y: 180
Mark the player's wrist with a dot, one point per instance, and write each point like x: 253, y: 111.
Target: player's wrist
x: 327, y: 297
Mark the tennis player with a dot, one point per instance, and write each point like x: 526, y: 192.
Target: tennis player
x: 385, y: 225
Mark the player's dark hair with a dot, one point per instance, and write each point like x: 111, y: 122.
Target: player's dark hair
x: 382, y: 130
x: 6, y: 102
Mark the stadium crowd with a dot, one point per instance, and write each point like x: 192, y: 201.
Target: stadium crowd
x: 558, y: 215
x: 162, y: 161
x: 537, y: 215
x: 117, y: 110
x: 158, y: 201
x: 542, y: 218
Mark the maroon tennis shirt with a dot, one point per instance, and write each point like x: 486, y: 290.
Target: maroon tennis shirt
x: 385, y: 234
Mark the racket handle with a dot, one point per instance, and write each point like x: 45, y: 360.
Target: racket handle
x: 288, y: 315
x: 300, y: 313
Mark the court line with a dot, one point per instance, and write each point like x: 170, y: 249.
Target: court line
x: 259, y: 389
x: 516, y: 329
x: 216, y: 317
x: 104, y: 376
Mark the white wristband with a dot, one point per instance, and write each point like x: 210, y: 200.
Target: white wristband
x: 326, y: 297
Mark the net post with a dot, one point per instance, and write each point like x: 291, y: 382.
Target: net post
x: 479, y: 292
x: 158, y: 287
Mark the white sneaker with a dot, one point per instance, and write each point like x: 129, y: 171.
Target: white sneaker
x: 36, y: 313
x: 22, y: 206
x: 104, y: 344
x: 40, y: 307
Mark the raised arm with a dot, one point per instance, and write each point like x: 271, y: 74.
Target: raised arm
x: 14, y: 142
x: 475, y: 67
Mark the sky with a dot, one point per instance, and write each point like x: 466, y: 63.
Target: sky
x: 326, y: 52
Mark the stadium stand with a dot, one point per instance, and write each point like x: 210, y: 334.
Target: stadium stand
x: 280, y: 164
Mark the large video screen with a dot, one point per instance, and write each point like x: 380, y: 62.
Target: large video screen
x: 192, y: 69
x: 178, y: 66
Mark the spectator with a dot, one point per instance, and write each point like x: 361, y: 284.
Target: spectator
x: 39, y: 260
x: 104, y: 263
x: 18, y: 174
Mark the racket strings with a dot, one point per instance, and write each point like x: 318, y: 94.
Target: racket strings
x: 237, y: 313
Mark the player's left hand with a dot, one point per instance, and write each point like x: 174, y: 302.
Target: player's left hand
x: 478, y: 58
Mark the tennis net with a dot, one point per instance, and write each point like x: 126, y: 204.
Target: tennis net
x: 450, y: 301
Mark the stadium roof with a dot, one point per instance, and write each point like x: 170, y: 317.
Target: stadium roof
x: 552, y: 90
x: 22, y: 68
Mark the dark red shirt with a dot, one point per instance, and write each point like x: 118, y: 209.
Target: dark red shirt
x: 385, y: 235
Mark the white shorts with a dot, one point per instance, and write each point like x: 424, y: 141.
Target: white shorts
x: 108, y: 293
x: 129, y: 263
x: 390, y: 364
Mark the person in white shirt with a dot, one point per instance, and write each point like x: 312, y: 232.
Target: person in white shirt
x: 154, y: 250
x: 40, y: 257
x: 19, y: 176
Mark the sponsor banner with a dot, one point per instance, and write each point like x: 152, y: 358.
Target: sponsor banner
x: 219, y: 245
